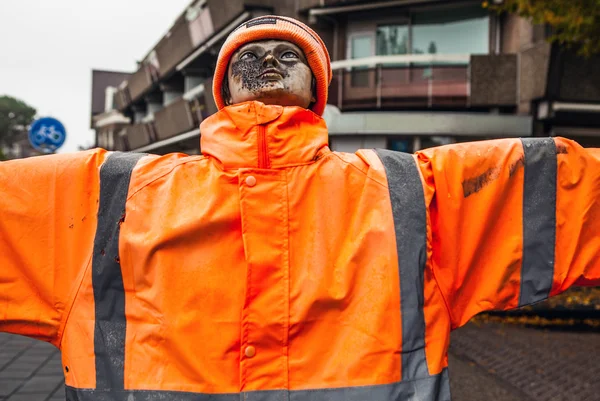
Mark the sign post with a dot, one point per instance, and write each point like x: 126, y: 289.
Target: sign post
x: 47, y: 134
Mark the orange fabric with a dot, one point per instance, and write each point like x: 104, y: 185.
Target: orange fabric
x: 475, y: 197
x: 577, y: 216
x: 437, y: 321
x: 48, y: 213
x: 284, y: 28
x: 298, y: 263
x: 77, y: 342
x: 472, y: 232
x: 264, y: 280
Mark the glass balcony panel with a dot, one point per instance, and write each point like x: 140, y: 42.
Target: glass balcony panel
x: 451, y: 31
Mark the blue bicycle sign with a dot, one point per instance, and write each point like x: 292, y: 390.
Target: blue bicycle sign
x: 47, y: 134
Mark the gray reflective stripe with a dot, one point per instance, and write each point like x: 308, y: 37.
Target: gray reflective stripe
x: 432, y: 388
x: 410, y: 223
x: 539, y: 219
x: 107, y: 280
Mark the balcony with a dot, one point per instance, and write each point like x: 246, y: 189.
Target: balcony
x: 174, y: 119
x: 138, y: 135
x: 140, y: 82
x: 174, y: 47
x: 111, y: 137
x: 563, y: 91
x: 424, y: 81
x: 576, y: 78
x: 122, y: 99
x: 173, y: 128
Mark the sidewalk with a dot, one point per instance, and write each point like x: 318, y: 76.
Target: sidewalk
x: 531, y: 364
x: 30, y: 370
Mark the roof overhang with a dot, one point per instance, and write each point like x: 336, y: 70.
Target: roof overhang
x: 427, y: 123
x: 313, y: 13
x: 583, y: 115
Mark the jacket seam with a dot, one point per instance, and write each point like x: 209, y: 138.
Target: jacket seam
x: 359, y: 170
x: 441, y: 291
x: 288, y: 289
x: 430, y: 243
x: 67, y: 313
x: 69, y: 307
x: 163, y: 175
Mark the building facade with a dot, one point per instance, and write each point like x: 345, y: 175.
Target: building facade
x: 407, y: 75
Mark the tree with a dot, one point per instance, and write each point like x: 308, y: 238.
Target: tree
x: 432, y: 48
x: 15, y: 118
x: 576, y: 23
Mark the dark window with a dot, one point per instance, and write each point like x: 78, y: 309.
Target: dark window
x: 404, y: 144
x: 433, y: 141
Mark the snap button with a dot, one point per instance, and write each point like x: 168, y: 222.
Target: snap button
x: 250, y: 351
x: 250, y: 181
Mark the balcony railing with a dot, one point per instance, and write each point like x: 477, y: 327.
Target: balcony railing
x: 425, y: 81
x: 174, y: 123
x: 122, y: 99
x: 174, y: 119
x: 139, y: 82
x: 420, y: 80
x: 174, y: 47
x: 138, y: 135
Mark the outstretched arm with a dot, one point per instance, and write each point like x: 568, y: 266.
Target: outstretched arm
x: 48, y: 208
x: 513, y: 221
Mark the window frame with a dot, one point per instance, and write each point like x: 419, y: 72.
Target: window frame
x: 363, y: 33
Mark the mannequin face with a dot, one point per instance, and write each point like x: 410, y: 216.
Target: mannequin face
x: 272, y: 72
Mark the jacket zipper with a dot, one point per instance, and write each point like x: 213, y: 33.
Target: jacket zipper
x: 263, y: 157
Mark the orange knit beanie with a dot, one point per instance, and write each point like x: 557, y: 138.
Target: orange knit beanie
x: 283, y: 28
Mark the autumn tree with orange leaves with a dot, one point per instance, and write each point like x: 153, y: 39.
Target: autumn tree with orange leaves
x: 575, y: 23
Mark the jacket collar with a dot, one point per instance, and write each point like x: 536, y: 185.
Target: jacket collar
x: 255, y: 135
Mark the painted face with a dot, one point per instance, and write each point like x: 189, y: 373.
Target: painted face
x: 270, y: 71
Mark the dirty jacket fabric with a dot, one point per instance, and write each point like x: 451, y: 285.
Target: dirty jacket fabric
x: 271, y: 268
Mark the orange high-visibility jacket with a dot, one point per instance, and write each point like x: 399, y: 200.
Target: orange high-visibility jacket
x: 271, y: 268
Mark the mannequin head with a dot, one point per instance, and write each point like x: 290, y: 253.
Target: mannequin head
x: 270, y: 71
x: 275, y: 60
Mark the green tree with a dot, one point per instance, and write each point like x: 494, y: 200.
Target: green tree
x: 432, y: 48
x: 15, y: 118
x: 576, y: 23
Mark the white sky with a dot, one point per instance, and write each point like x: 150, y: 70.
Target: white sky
x: 48, y: 49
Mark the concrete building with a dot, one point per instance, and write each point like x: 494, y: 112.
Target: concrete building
x: 105, y: 118
x: 408, y: 74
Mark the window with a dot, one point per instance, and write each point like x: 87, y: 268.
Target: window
x: 454, y: 30
x: 433, y: 141
x: 400, y: 144
x: 451, y: 31
x: 392, y: 39
x: 361, y: 46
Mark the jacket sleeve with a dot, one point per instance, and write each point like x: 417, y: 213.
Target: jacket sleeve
x: 48, y: 208
x: 512, y: 222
